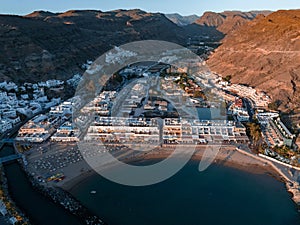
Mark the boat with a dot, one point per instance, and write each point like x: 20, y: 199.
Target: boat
x: 56, y: 178
x: 93, y: 192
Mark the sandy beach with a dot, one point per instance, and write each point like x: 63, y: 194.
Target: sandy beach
x: 77, y: 174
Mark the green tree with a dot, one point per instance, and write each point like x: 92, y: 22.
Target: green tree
x: 227, y: 78
x: 274, y: 105
x: 254, y: 131
x: 198, y: 94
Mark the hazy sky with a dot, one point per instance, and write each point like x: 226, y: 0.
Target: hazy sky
x: 184, y: 7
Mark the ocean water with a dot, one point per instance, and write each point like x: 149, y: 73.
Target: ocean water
x: 220, y: 195
x: 39, y: 209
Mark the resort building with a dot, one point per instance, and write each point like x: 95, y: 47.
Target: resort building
x: 172, y: 130
x: 238, y: 109
x: 123, y: 130
x: 202, y: 132
x: 101, y: 105
x: 39, y: 129
x: 274, y: 131
x: 66, y: 133
x: 285, y: 136
x: 259, y: 98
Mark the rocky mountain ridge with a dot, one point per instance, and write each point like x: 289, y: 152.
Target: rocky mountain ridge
x: 228, y: 21
x: 262, y: 52
x: 265, y: 53
x: 182, y: 20
x: 45, y: 45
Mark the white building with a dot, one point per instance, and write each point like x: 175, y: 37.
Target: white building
x: 205, y: 131
x: 66, y: 133
x: 123, y: 130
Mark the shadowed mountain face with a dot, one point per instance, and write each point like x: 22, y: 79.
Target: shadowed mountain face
x: 182, y: 20
x: 44, y: 45
x: 228, y: 21
x: 265, y: 53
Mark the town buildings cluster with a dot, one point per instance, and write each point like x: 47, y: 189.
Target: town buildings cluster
x: 245, y: 103
x: 43, y: 126
x: 27, y: 100
x: 237, y: 108
x: 258, y: 98
x: 140, y: 124
x: 130, y: 115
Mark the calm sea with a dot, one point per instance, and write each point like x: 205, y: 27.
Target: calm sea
x: 38, y: 208
x: 219, y: 195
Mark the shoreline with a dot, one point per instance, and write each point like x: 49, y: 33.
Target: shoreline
x: 65, y: 199
x: 228, y: 156
x: 60, y: 197
x: 6, y: 199
x: 225, y: 157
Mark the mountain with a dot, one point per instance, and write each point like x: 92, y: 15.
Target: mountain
x: 45, y: 45
x: 265, y: 53
x: 40, y: 14
x: 227, y: 21
x: 182, y: 20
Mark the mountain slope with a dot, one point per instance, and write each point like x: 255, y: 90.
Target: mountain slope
x: 265, y: 53
x: 228, y: 21
x: 44, y: 45
x: 182, y: 20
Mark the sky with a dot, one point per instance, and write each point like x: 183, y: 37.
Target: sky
x: 183, y: 7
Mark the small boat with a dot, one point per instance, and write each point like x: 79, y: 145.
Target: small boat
x: 57, y: 177
x: 93, y: 192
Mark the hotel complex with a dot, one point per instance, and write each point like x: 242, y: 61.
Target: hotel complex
x: 134, y: 115
x: 173, y: 130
